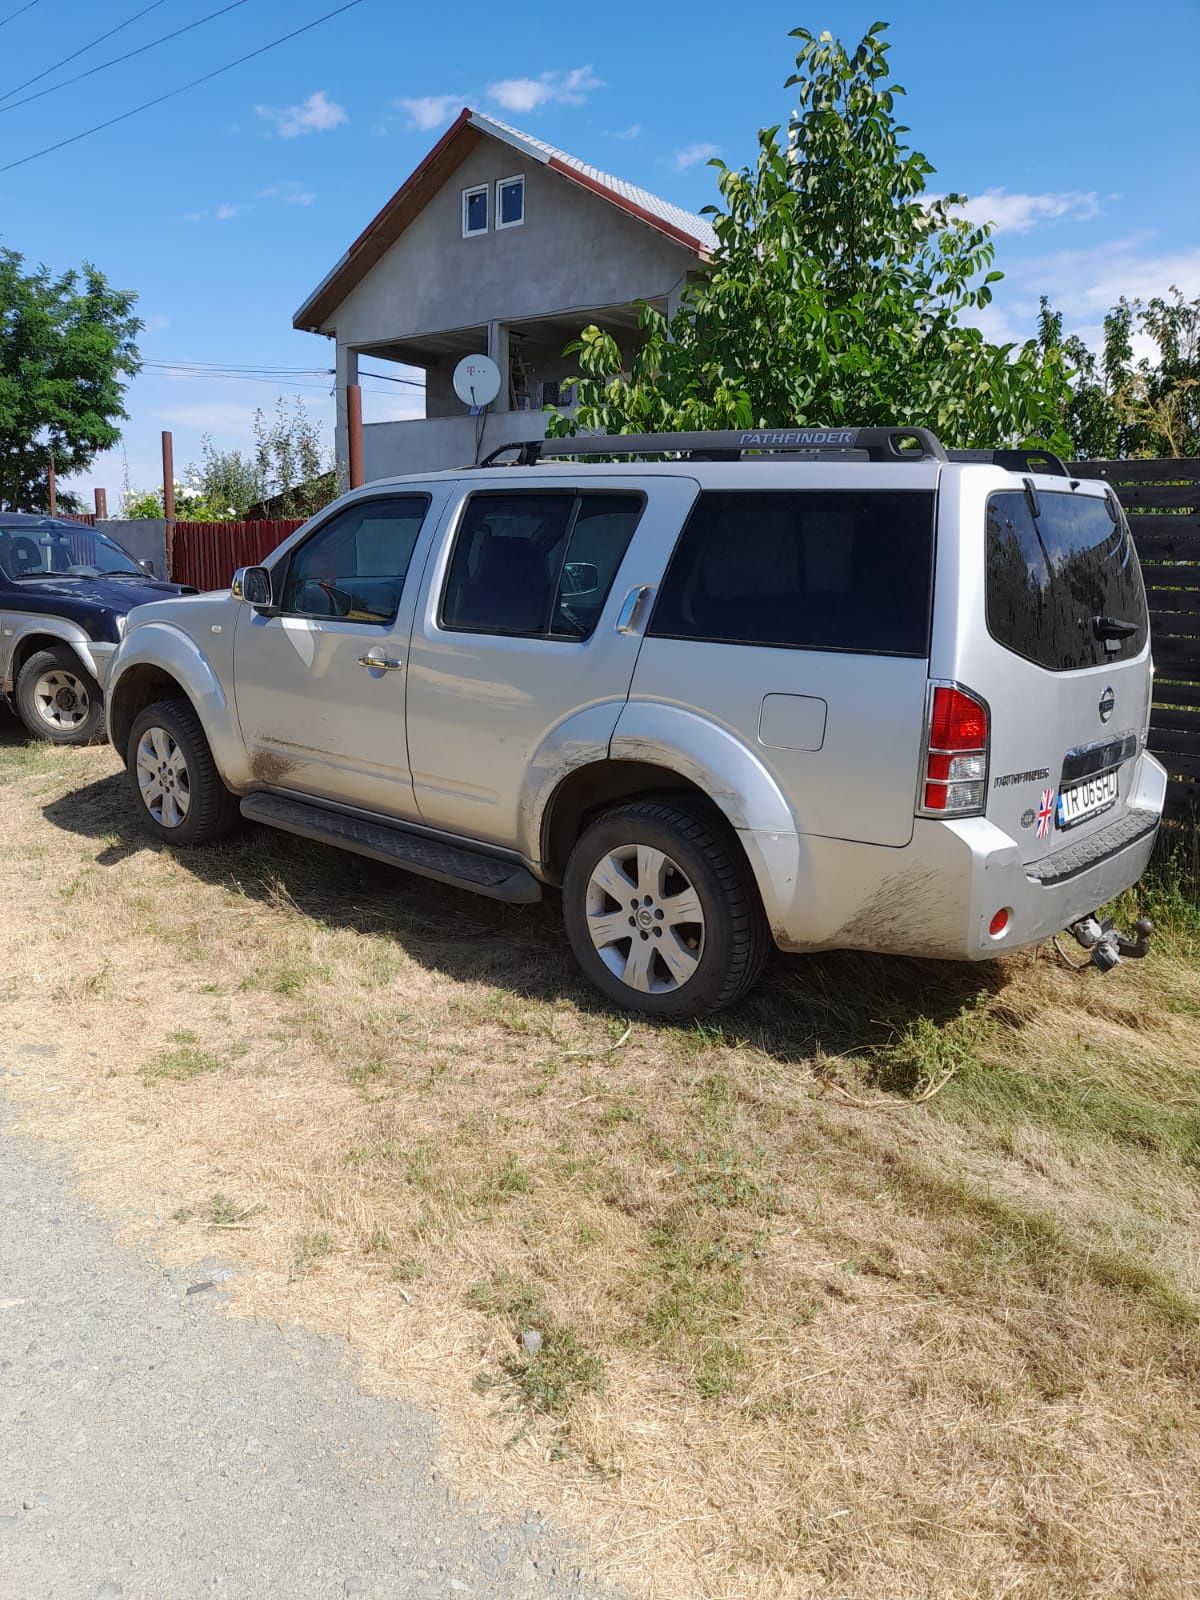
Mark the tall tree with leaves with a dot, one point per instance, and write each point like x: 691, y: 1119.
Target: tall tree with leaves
x: 1117, y: 406
x: 67, y: 345
x: 838, y: 292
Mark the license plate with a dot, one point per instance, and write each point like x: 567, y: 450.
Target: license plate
x: 1086, y: 799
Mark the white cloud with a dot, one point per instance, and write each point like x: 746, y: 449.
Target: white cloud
x: 317, y: 114
x: 428, y: 111
x: 288, y: 194
x: 633, y: 131
x: 693, y: 153
x: 529, y: 94
x: 225, y: 211
x: 1018, y: 213
x: 1083, y: 285
x: 1086, y: 283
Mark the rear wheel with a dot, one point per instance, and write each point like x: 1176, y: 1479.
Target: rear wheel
x: 661, y: 911
x: 176, y: 787
x: 57, y: 699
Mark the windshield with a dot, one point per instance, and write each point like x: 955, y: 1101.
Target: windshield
x: 63, y: 550
x: 1064, y: 590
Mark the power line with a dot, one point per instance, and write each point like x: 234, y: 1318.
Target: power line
x: 181, y: 89
x: 116, y: 60
x: 13, y: 15
x: 216, y: 369
x: 38, y: 76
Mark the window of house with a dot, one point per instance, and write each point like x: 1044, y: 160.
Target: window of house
x: 354, y: 565
x: 475, y: 210
x: 510, y: 202
x: 806, y: 570
x: 539, y: 564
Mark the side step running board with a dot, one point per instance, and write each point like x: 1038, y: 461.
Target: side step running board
x: 414, y: 852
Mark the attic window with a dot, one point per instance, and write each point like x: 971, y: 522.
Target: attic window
x: 510, y: 201
x: 475, y: 210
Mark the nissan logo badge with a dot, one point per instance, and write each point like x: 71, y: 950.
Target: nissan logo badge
x: 1108, y: 701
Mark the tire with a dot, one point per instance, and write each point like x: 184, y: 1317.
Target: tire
x: 58, y: 699
x: 646, y: 867
x: 176, y: 788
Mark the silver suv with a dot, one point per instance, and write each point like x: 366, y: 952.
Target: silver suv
x: 818, y: 688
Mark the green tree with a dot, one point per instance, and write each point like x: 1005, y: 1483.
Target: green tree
x: 294, y: 468
x: 289, y: 470
x: 1118, y: 407
x: 839, y: 291
x: 67, y: 344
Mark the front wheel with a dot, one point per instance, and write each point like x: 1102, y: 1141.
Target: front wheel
x: 176, y: 787
x: 57, y: 699
x: 661, y: 911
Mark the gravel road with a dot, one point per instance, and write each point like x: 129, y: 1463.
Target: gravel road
x: 152, y: 1447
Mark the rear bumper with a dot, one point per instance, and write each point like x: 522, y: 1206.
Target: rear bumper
x: 937, y: 895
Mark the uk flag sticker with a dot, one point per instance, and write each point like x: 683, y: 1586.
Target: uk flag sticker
x: 1045, y: 814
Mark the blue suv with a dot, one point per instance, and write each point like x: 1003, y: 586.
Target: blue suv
x: 65, y: 591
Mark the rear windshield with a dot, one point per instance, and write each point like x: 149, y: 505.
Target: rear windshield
x: 1049, y: 580
x: 805, y: 569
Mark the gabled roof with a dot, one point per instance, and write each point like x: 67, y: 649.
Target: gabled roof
x: 462, y: 136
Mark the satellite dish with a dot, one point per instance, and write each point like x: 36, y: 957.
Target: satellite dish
x: 477, y: 381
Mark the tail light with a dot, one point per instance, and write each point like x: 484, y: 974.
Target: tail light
x: 956, y: 754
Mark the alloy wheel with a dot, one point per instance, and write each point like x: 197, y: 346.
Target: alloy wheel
x: 645, y: 919
x: 163, y: 779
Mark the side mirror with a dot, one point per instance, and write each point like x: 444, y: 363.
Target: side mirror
x: 253, y: 585
x: 147, y: 567
x: 580, y: 578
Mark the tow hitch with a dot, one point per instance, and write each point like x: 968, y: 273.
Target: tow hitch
x: 1106, y: 944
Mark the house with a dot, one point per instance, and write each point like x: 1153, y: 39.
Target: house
x: 497, y: 243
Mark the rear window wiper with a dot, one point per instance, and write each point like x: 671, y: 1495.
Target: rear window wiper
x: 1113, y: 628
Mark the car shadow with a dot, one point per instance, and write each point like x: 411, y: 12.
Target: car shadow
x: 806, y: 1006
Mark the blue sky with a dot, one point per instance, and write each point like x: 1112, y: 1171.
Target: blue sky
x: 1075, y: 122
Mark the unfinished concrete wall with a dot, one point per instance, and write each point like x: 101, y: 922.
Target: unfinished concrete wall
x: 574, y: 250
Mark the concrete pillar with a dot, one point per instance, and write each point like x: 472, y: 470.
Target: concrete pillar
x: 498, y: 350
x: 346, y: 375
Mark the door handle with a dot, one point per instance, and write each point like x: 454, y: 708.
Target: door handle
x: 632, y: 609
x: 380, y: 662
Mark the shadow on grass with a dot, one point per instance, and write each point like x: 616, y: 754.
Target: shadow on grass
x: 831, y: 1003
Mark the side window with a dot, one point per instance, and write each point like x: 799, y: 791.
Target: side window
x: 803, y: 570
x: 475, y: 210
x: 537, y: 565
x: 510, y: 202
x: 355, y: 565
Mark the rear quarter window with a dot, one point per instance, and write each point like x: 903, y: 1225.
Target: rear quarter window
x: 1050, y: 578
x: 835, y: 569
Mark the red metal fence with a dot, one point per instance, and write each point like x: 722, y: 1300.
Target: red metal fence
x: 209, y: 553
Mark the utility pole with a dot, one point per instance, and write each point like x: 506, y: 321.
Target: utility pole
x: 168, y: 460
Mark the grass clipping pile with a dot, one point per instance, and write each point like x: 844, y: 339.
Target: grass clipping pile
x: 747, y: 1337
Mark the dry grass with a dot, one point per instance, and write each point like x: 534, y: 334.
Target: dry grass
x: 789, y: 1347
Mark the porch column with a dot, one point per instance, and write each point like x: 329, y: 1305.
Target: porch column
x: 498, y: 350
x: 346, y: 374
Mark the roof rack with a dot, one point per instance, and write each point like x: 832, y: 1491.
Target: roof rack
x: 1016, y: 460
x: 877, y: 444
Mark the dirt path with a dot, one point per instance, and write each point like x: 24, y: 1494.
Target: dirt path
x: 155, y: 1448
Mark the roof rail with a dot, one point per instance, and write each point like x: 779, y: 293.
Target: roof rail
x: 1016, y: 460
x: 877, y: 444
